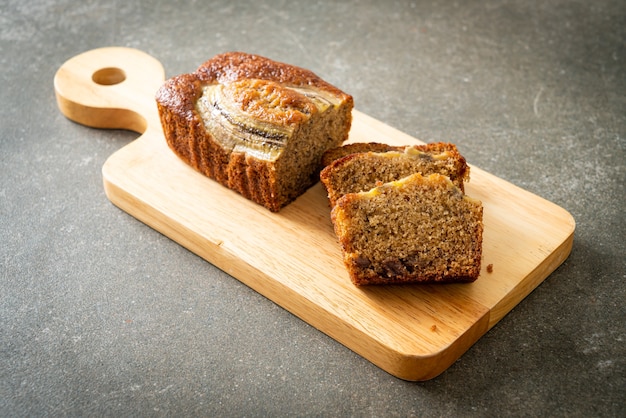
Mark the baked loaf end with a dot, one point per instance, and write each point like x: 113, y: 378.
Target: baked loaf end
x: 417, y: 229
x: 360, y: 167
x: 257, y: 126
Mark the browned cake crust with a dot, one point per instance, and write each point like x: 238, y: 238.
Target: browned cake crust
x: 360, y: 171
x: 262, y: 88
x: 419, y: 229
x: 357, y: 147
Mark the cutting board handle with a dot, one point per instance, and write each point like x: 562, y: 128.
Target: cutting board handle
x: 111, y: 87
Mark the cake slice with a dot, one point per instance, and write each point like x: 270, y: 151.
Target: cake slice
x: 419, y: 229
x: 361, y: 171
x: 256, y: 126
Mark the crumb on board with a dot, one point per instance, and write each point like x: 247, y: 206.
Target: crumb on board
x: 490, y: 268
x: 433, y: 328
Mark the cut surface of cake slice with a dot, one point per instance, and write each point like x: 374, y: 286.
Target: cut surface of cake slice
x: 419, y: 229
x: 255, y: 125
x: 361, y: 171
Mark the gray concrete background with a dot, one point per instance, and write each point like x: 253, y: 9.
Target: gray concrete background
x: 102, y: 316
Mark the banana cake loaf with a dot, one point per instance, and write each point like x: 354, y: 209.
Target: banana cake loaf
x: 256, y: 126
x: 419, y: 229
x: 360, y: 171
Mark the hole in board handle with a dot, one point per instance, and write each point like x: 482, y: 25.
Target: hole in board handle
x: 109, y: 76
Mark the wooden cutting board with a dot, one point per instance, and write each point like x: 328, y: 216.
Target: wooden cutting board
x: 413, y: 332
